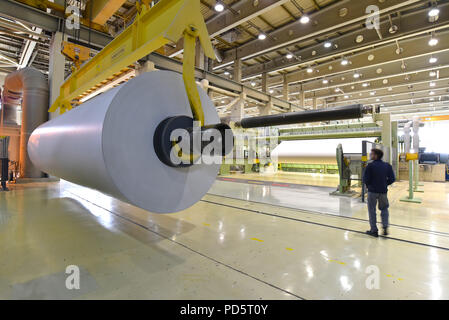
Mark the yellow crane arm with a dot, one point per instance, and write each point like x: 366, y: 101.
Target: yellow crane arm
x: 167, y: 21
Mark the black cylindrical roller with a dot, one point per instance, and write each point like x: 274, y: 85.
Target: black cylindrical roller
x: 337, y: 113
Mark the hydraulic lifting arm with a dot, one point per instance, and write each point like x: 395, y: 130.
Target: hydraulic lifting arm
x: 167, y: 21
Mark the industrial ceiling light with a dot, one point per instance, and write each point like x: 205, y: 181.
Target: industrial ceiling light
x: 289, y: 56
x: 226, y: 73
x: 262, y: 36
x: 304, y: 19
x: 344, y: 62
x: 346, y: 97
x: 432, y: 93
x: 432, y: 74
x: 432, y: 84
x: 390, y: 89
x: 434, y: 12
x: 328, y: 44
x: 219, y: 7
x: 365, y: 84
x: 433, y: 41
x: 253, y: 83
x: 309, y: 70
x: 372, y: 93
x: 356, y: 75
x: 271, y: 91
x: 325, y: 81
x: 433, y: 60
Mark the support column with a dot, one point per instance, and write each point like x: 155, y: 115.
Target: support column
x: 146, y: 67
x: 238, y: 109
x: 386, y: 133
x: 238, y: 70
x: 265, y: 82
x: 285, y: 90
x: 199, y: 56
x: 314, y: 103
x: 266, y: 110
x: 56, y: 69
x: 302, y: 98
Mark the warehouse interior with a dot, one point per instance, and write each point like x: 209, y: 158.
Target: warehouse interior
x: 215, y: 149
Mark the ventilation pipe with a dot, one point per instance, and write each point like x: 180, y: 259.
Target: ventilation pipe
x: 32, y: 86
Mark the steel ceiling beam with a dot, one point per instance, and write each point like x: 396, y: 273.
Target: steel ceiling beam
x: 227, y: 20
x: 416, y: 70
x: 412, y: 48
x: 102, y: 10
x: 48, y: 22
x: 397, y: 98
x: 166, y: 63
x: 408, y: 24
x: 331, y: 18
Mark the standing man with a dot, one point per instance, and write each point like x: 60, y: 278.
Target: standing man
x: 377, y: 177
x: 4, y: 142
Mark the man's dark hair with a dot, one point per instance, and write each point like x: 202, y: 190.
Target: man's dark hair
x: 379, y: 153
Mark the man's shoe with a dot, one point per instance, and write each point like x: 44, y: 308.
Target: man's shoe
x: 385, y: 233
x: 372, y: 233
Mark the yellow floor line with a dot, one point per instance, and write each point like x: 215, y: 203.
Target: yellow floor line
x: 255, y: 239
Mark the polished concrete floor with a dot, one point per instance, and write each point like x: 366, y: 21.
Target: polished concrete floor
x: 241, y: 241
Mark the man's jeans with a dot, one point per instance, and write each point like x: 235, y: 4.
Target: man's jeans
x: 373, y: 199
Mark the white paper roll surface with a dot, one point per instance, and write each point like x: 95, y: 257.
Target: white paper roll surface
x: 107, y: 144
x: 315, y: 151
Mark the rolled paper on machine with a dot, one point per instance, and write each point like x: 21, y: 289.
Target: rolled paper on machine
x: 107, y: 144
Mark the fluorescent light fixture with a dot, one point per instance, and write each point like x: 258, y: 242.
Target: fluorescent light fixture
x: 432, y: 74
x: 365, y: 84
x: 289, y: 56
x: 226, y: 73
x: 219, y: 7
x: 344, y: 62
x: 262, y: 36
x: 356, y: 75
x: 433, y: 60
x: 325, y: 81
x: 328, y: 44
x: 346, y: 97
x: 309, y: 70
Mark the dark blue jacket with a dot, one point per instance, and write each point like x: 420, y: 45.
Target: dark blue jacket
x: 378, y: 176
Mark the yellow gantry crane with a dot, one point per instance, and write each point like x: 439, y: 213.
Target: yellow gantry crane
x: 153, y: 27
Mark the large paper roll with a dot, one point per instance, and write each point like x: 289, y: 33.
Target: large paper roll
x: 107, y: 144
x: 315, y: 151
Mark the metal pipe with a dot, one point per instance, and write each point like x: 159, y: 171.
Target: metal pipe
x: 33, y: 86
x: 338, y: 113
x: 22, y: 37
